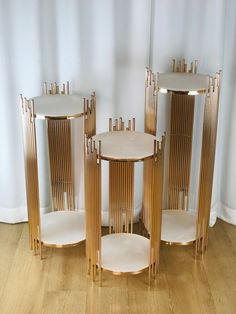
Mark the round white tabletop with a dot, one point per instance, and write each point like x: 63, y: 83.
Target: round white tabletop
x: 178, y: 227
x: 63, y: 228
x: 183, y: 82
x: 58, y: 106
x: 125, y: 253
x: 125, y: 145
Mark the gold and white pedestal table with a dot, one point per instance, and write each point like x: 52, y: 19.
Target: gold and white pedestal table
x: 122, y: 251
x: 182, y: 224
x: 65, y: 225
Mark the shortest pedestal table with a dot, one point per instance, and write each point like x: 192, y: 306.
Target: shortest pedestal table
x: 122, y: 251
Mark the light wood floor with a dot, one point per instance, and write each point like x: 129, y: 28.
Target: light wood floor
x: 59, y: 283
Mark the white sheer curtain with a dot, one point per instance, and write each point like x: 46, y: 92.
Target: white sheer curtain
x: 96, y: 45
x: 206, y: 31
x: 227, y: 139
x: 105, y: 46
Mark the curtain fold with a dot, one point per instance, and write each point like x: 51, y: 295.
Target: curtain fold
x: 227, y: 139
x: 105, y: 46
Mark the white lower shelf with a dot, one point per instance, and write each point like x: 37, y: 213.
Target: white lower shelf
x: 178, y: 227
x: 62, y: 228
x: 124, y: 253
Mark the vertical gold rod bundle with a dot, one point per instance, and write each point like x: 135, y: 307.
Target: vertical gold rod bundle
x: 56, y: 89
x: 59, y: 144
x: 207, y: 162
x: 181, y: 66
x: 90, y: 116
x: 147, y: 192
x: 121, y: 196
x: 92, y: 180
x: 155, y: 212
x: 119, y: 125
x: 93, y: 207
x: 121, y: 186
x: 150, y: 114
x: 150, y: 126
x: 181, y: 131
x: 31, y: 174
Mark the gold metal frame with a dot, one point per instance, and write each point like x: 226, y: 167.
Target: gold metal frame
x: 179, y: 162
x: 182, y: 67
x: 207, y: 162
x: 59, y: 148
x: 154, y: 213
x: 121, y: 196
x: 147, y: 191
x: 93, y: 207
x: 180, y: 147
x: 121, y: 187
x: 54, y: 88
x: 150, y: 127
x: 119, y: 125
x: 150, y: 116
x: 31, y: 174
x: 121, y: 193
x: 59, y: 145
x: 90, y: 115
x: 178, y: 243
x: 70, y: 117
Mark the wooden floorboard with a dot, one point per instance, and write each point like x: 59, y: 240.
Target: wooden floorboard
x: 60, y: 284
